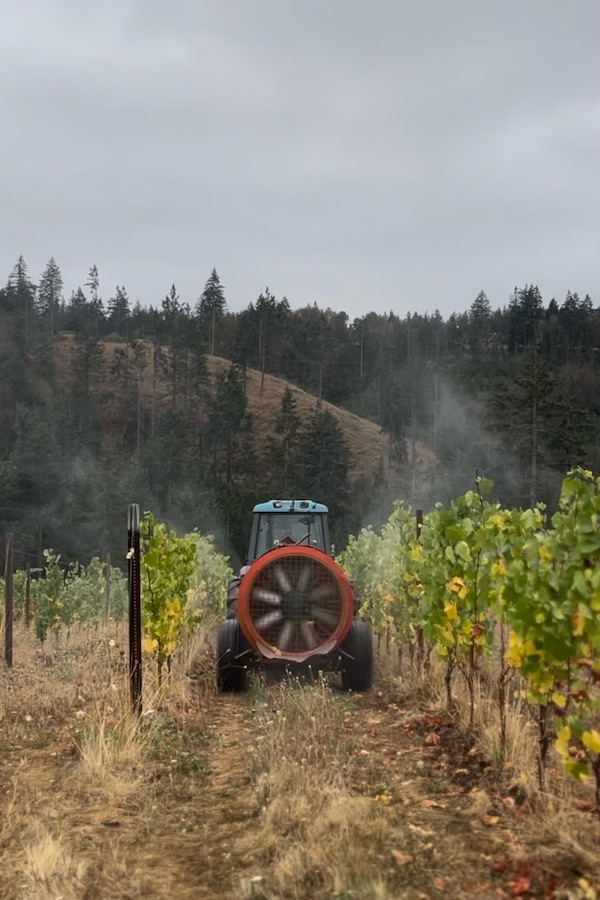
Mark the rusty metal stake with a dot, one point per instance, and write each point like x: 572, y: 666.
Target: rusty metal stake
x: 135, y: 606
x: 8, y: 601
x: 419, y: 514
x: 420, y: 635
x: 28, y: 594
x: 107, y: 589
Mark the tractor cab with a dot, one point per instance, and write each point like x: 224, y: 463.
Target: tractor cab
x: 283, y: 523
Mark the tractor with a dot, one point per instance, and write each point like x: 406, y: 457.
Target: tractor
x: 292, y: 608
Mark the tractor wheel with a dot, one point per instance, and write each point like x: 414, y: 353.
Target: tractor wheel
x: 231, y: 673
x: 232, y: 595
x: 358, y: 672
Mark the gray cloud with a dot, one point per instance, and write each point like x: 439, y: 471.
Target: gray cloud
x: 389, y: 155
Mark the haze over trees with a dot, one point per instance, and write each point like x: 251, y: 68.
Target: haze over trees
x: 103, y: 401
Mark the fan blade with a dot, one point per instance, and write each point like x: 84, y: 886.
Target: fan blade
x: 282, y: 579
x: 269, y: 619
x: 304, y: 579
x: 322, y: 592
x: 268, y: 597
x: 308, y: 633
x: 324, y: 616
x: 285, y: 634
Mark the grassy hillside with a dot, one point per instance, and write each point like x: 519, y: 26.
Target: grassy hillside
x: 366, y: 442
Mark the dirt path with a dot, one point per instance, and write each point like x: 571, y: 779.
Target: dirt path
x: 449, y: 832
x: 200, y: 848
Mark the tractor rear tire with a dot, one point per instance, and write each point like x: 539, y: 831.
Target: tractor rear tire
x: 357, y: 674
x: 231, y: 673
x: 232, y: 595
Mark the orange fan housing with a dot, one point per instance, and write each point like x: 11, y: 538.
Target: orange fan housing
x: 295, y: 603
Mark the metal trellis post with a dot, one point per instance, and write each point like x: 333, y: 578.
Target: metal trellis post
x: 8, y: 601
x: 135, y: 606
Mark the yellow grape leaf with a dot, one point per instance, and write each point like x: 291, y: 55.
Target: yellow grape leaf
x: 455, y: 584
x: 149, y: 644
x: 591, y: 740
x: 450, y: 611
x: 559, y: 700
x: 561, y: 745
x: 515, y: 652
x: 578, y: 624
x: 497, y: 569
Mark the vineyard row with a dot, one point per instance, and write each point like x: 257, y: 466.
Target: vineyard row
x: 511, y: 592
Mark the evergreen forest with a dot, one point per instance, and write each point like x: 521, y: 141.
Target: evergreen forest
x: 104, y: 402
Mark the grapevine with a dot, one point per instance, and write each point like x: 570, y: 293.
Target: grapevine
x: 486, y: 581
x: 183, y: 578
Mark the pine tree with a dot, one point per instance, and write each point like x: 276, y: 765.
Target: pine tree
x: 119, y: 312
x: 173, y: 332
x: 93, y: 283
x: 229, y: 427
x: 323, y: 463
x: 49, y: 294
x: 524, y: 410
x: 282, y: 448
x: 526, y: 309
x: 22, y: 298
x: 97, y: 307
x: 230, y: 447
x: 480, y: 320
x: 210, y: 309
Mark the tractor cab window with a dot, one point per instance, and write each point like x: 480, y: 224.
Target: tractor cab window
x: 276, y: 529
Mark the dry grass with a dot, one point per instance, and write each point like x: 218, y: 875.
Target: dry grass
x: 561, y: 826
x: 293, y: 791
x: 77, y: 771
x: 318, y: 837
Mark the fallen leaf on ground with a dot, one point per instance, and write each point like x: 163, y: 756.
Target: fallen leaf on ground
x: 424, y: 832
x: 490, y: 820
x: 432, y: 738
x: 585, y: 805
x: 432, y: 804
x: 520, y: 885
x: 400, y: 858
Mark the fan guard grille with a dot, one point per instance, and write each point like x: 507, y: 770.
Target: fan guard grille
x: 295, y: 603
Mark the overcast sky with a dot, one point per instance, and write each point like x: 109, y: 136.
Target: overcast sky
x: 390, y: 154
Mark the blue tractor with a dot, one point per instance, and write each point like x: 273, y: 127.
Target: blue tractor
x: 292, y: 607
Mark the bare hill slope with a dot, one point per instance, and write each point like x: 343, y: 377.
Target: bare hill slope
x: 366, y: 442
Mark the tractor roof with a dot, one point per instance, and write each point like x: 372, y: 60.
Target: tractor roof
x: 290, y: 506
